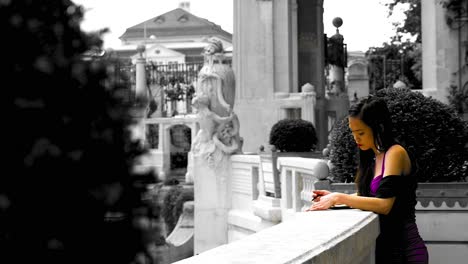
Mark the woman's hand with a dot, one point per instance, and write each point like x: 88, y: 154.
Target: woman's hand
x: 316, y: 194
x: 325, y: 202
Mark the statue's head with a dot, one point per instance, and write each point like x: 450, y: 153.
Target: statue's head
x: 214, y: 46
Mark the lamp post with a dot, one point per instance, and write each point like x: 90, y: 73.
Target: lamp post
x: 337, y: 59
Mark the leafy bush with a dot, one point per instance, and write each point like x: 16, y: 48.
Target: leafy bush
x: 458, y: 99
x: 293, y: 135
x: 430, y: 130
x: 70, y: 195
x: 173, y: 205
x: 343, y: 152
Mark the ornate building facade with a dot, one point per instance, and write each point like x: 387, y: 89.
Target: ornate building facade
x: 174, y: 37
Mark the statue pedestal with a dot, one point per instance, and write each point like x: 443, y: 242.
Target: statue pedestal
x: 212, y: 203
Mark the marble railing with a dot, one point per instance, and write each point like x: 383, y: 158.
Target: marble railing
x: 266, y: 229
x: 299, y: 177
x: 339, y: 236
x: 246, y: 192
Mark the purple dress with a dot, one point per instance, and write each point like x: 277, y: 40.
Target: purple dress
x: 399, y: 240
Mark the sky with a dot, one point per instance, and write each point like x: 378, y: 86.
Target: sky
x: 365, y: 22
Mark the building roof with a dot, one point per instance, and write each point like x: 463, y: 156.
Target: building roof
x: 175, y: 23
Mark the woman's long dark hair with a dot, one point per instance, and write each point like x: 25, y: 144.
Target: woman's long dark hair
x: 373, y: 111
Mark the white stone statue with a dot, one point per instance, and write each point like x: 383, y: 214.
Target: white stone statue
x: 209, y: 122
x: 214, y: 99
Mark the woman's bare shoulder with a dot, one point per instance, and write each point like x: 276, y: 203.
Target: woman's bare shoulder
x: 397, y: 161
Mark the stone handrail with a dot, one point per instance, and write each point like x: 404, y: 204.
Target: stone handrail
x: 334, y: 236
x: 264, y: 229
x: 299, y: 177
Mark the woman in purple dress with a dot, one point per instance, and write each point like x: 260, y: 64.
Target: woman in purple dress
x: 386, y: 182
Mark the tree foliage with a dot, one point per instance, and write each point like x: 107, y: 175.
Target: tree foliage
x: 412, y: 22
x: 458, y: 99
x: 393, y: 62
x: 403, y: 60
x: 68, y: 193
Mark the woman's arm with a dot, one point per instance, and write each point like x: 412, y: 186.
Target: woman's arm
x: 316, y: 194
x: 397, y: 163
x: 376, y: 205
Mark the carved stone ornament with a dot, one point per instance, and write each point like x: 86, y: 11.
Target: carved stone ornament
x: 218, y: 136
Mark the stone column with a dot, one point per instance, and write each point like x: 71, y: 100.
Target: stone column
x: 294, y: 47
x: 311, y: 44
x: 141, y: 95
x: 311, y: 57
x: 430, y: 53
x: 283, y: 46
x: 140, y: 90
x: 310, y: 100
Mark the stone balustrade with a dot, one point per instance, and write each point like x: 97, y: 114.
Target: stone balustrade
x: 333, y: 236
x: 253, y: 208
x: 266, y: 229
x: 246, y: 192
x: 298, y: 179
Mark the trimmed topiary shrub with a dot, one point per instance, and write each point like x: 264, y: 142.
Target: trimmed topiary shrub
x: 430, y: 130
x: 293, y: 135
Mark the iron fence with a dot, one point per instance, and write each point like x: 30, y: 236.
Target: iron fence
x: 171, y: 87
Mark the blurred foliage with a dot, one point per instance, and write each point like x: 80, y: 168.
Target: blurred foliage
x: 69, y: 193
x: 293, y: 135
x: 435, y: 136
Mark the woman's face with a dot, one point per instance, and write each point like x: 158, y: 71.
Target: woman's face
x: 362, y: 134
